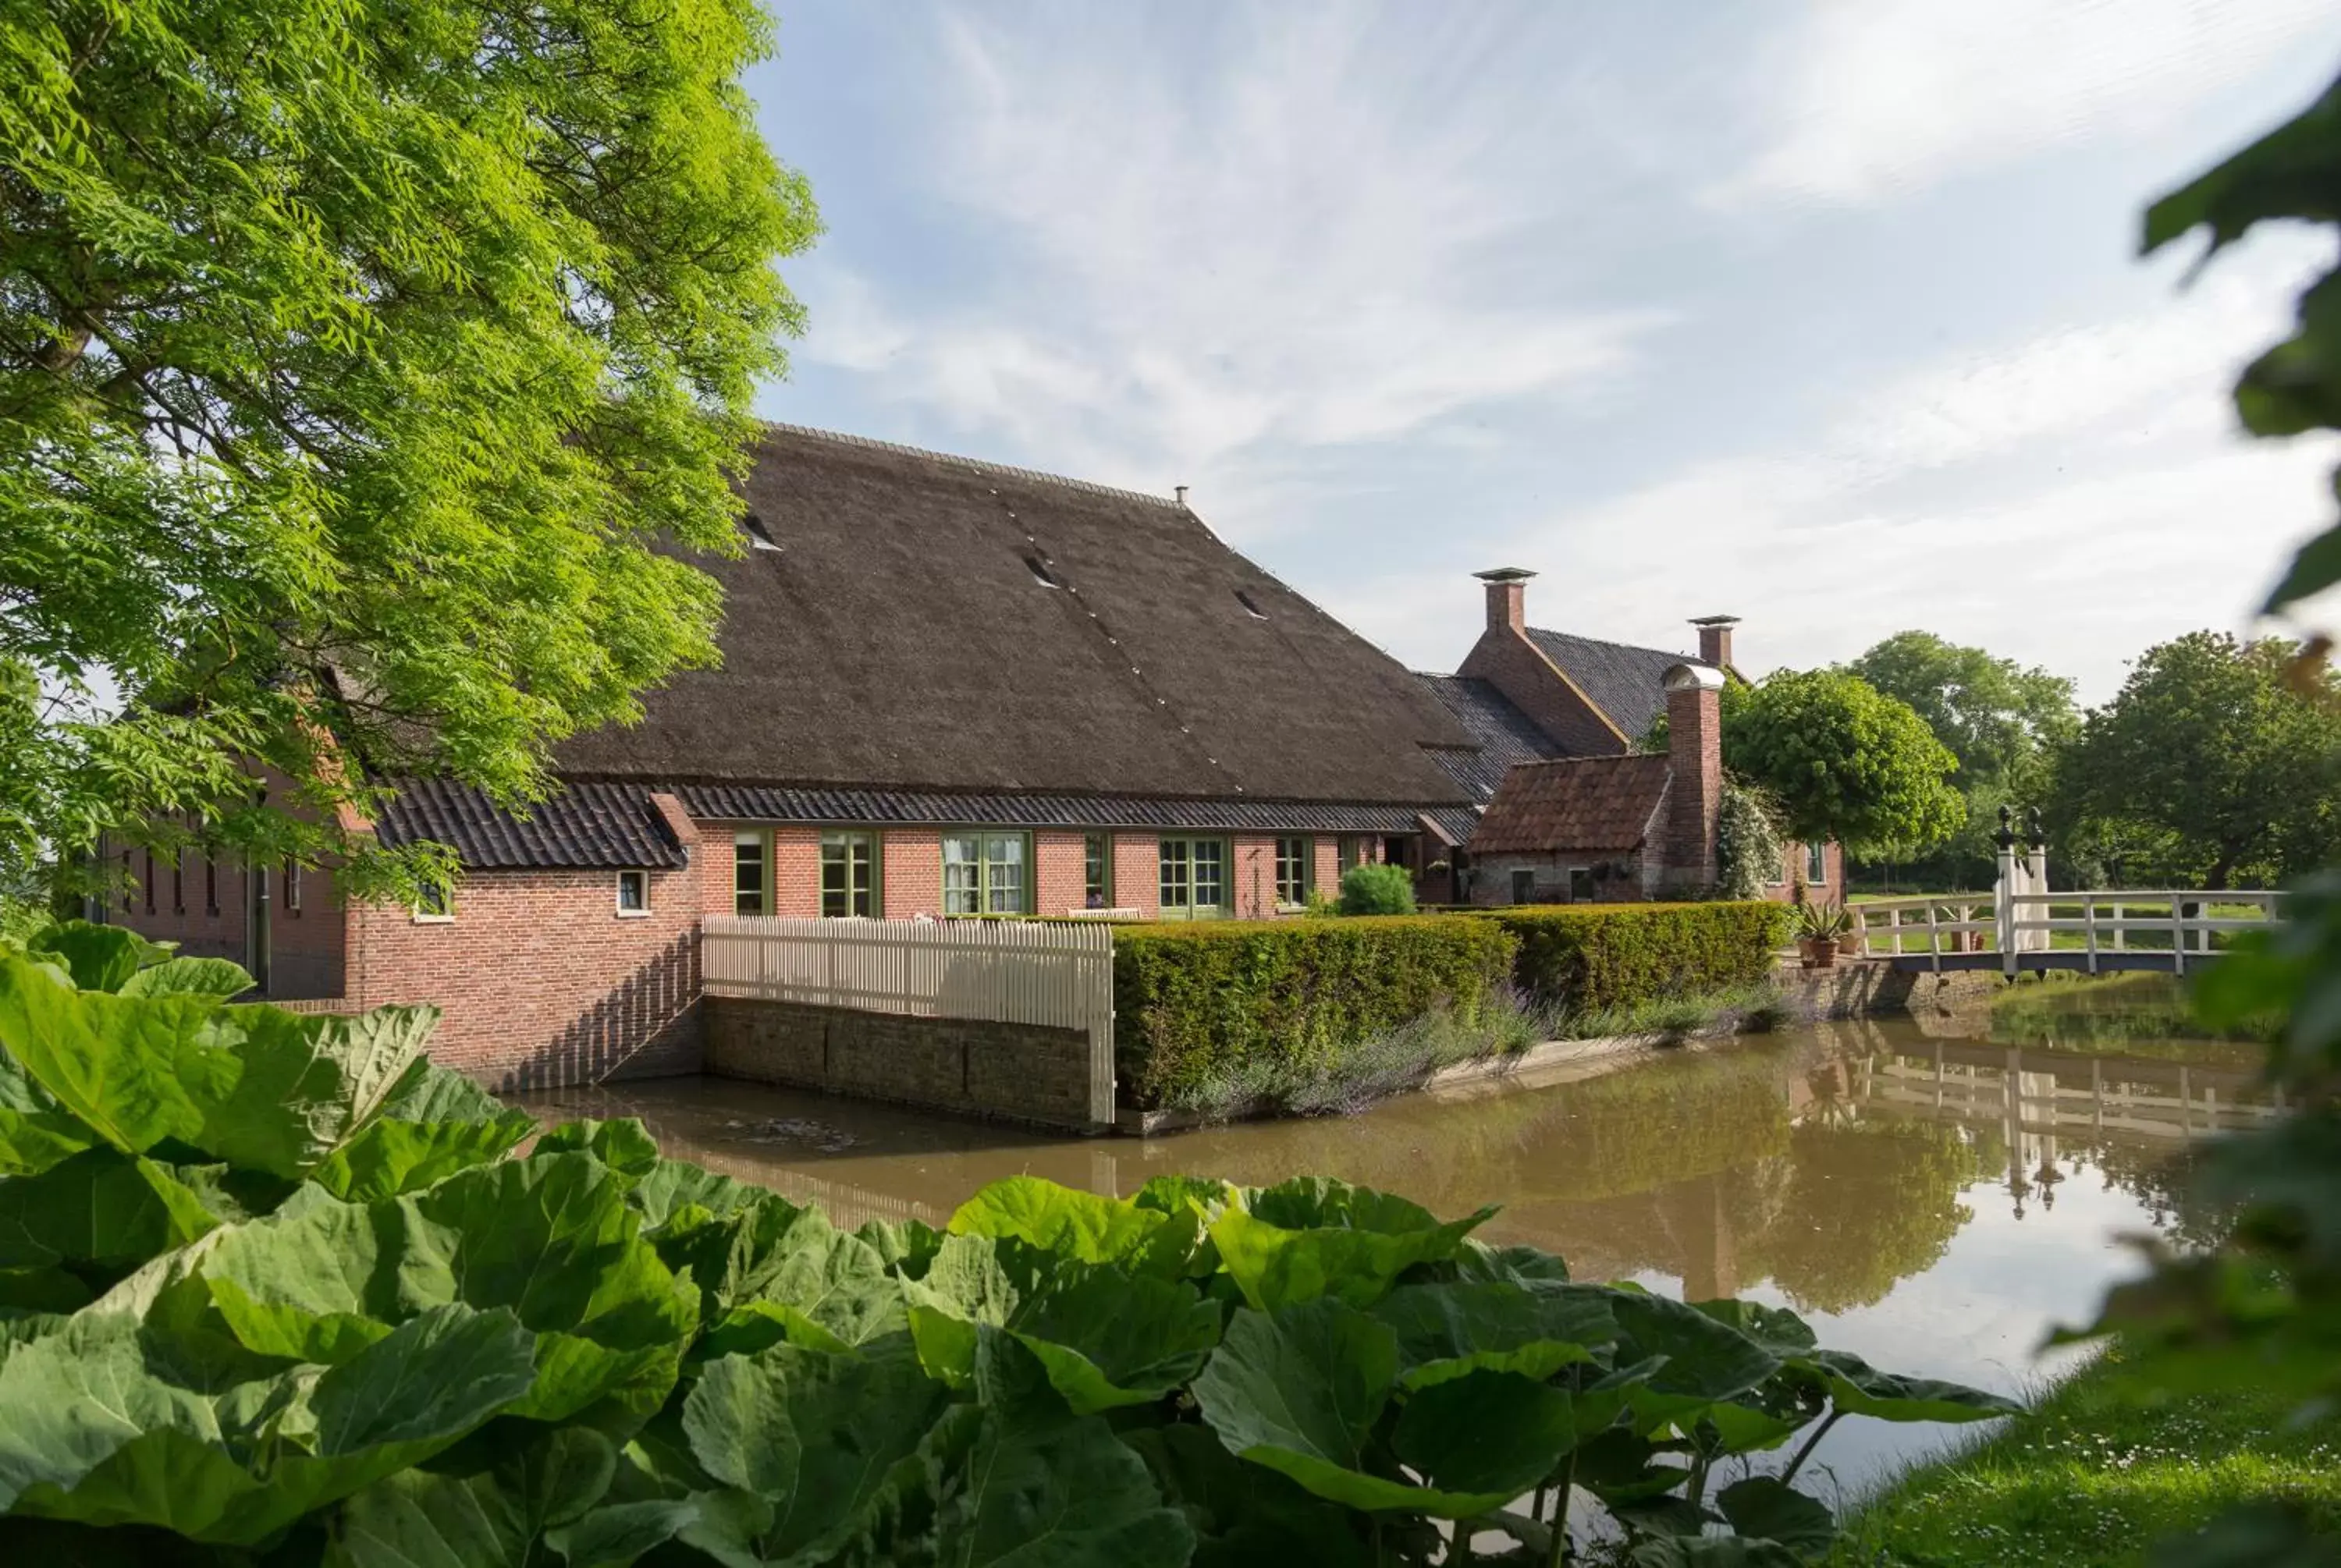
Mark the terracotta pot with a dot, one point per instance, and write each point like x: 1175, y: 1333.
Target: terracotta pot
x: 1852, y: 946
x: 1821, y: 952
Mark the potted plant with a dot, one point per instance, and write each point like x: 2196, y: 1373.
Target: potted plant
x: 1819, y: 927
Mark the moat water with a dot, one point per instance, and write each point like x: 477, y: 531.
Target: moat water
x: 1934, y: 1202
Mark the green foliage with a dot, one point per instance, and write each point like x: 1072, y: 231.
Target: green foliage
x: 362, y: 361
x: 591, y: 1355
x: 1198, y: 1002
x: 2004, y: 723
x: 1377, y: 889
x: 1821, y: 921
x: 1584, y: 957
x: 2218, y: 762
x: 1747, y: 842
x: 1844, y: 762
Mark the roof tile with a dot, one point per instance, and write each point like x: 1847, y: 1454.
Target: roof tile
x: 1577, y: 803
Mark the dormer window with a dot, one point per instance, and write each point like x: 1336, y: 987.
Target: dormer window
x: 1041, y: 572
x: 1252, y: 607
x: 759, y: 536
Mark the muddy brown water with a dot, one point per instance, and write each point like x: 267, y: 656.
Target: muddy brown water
x: 1936, y: 1205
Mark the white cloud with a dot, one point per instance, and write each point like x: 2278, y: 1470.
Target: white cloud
x: 1312, y: 238
x: 1875, y: 96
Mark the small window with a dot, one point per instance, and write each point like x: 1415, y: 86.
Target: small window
x: 1097, y: 871
x: 1041, y: 572
x: 1580, y: 884
x: 1293, y: 858
x: 179, y: 882
x: 983, y: 873
x: 634, y: 892
x: 436, y: 907
x: 1252, y: 606
x: 1817, y: 864
x: 150, y: 881
x: 211, y: 884
x: 1523, y: 886
x: 759, y: 537
x: 292, y: 877
x: 849, y: 875
x: 748, y: 874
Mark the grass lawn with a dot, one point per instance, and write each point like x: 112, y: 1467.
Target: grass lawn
x: 2090, y: 1475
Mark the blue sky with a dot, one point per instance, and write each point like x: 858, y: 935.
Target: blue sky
x: 1826, y: 316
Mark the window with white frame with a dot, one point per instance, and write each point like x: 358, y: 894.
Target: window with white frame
x: 984, y: 874
x: 1816, y: 863
x: 436, y: 906
x: 634, y: 892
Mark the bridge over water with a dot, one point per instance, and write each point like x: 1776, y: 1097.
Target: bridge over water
x: 2169, y: 930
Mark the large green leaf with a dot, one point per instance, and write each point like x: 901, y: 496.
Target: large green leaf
x: 1491, y: 1434
x: 100, y: 1213
x: 1077, y: 1225
x: 1712, y: 1552
x: 1040, y: 1487
x: 433, y: 1123
x: 1245, y: 1515
x: 307, y: 1081
x: 624, y: 1144
x: 98, y: 958
x: 136, y: 1070
x: 1109, y: 1339
x: 1300, y: 1392
x: 1858, y: 1388
x: 551, y: 1237
x: 671, y: 1184
x: 219, y: 977
x: 36, y: 1132
x: 816, y: 1436
x: 492, y: 1518
x: 1701, y: 1359
x: 101, y: 1431
x: 1275, y: 1266
x: 1766, y: 1508
x: 1448, y: 1330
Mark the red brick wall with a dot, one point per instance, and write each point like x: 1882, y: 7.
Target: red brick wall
x: 911, y: 878
x: 1792, y: 865
x: 306, y: 948
x: 1252, y: 871
x: 542, y: 982
x: 1511, y: 663
x: 1326, y: 875
x: 1138, y: 873
x: 1694, y: 809
x: 796, y: 872
x: 1060, y: 872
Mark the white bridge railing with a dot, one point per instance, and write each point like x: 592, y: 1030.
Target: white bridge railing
x: 1005, y: 971
x: 2181, y: 922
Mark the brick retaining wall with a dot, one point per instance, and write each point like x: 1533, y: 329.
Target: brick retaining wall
x: 1015, y: 1072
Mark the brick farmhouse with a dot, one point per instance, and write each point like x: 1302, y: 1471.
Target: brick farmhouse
x: 948, y: 689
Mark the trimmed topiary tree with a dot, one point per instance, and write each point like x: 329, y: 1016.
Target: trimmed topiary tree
x: 1377, y: 890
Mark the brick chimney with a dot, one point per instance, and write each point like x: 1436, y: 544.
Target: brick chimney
x: 1715, y: 639
x: 1695, y: 773
x: 1506, y: 597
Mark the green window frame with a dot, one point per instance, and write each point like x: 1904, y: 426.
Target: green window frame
x: 1296, y: 863
x: 751, y: 862
x: 849, y: 875
x: 987, y: 872
x: 1194, y: 878
x: 1097, y: 871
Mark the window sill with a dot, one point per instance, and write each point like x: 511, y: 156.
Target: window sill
x: 632, y: 914
x: 435, y: 920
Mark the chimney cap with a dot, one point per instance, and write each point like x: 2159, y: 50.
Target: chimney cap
x: 1504, y: 574
x: 1694, y: 677
x: 1714, y: 620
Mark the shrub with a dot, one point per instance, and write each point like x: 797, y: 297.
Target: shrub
x: 1585, y: 956
x: 358, y: 1328
x: 1198, y: 1002
x: 1377, y: 890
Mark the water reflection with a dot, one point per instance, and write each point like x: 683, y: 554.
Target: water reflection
x: 1934, y: 1204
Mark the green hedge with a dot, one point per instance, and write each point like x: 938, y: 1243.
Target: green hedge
x: 1585, y: 956
x: 1192, y: 1001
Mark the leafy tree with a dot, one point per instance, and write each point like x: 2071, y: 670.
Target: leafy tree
x: 2002, y: 721
x: 1843, y: 760
x: 1377, y: 889
x: 1748, y: 847
x: 362, y: 367
x: 2212, y: 761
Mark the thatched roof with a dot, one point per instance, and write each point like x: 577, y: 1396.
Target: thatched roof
x: 1598, y: 803
x: 1502, y: 734
x: 905, y: 635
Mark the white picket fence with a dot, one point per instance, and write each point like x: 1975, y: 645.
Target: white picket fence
x: 1003, y: 971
